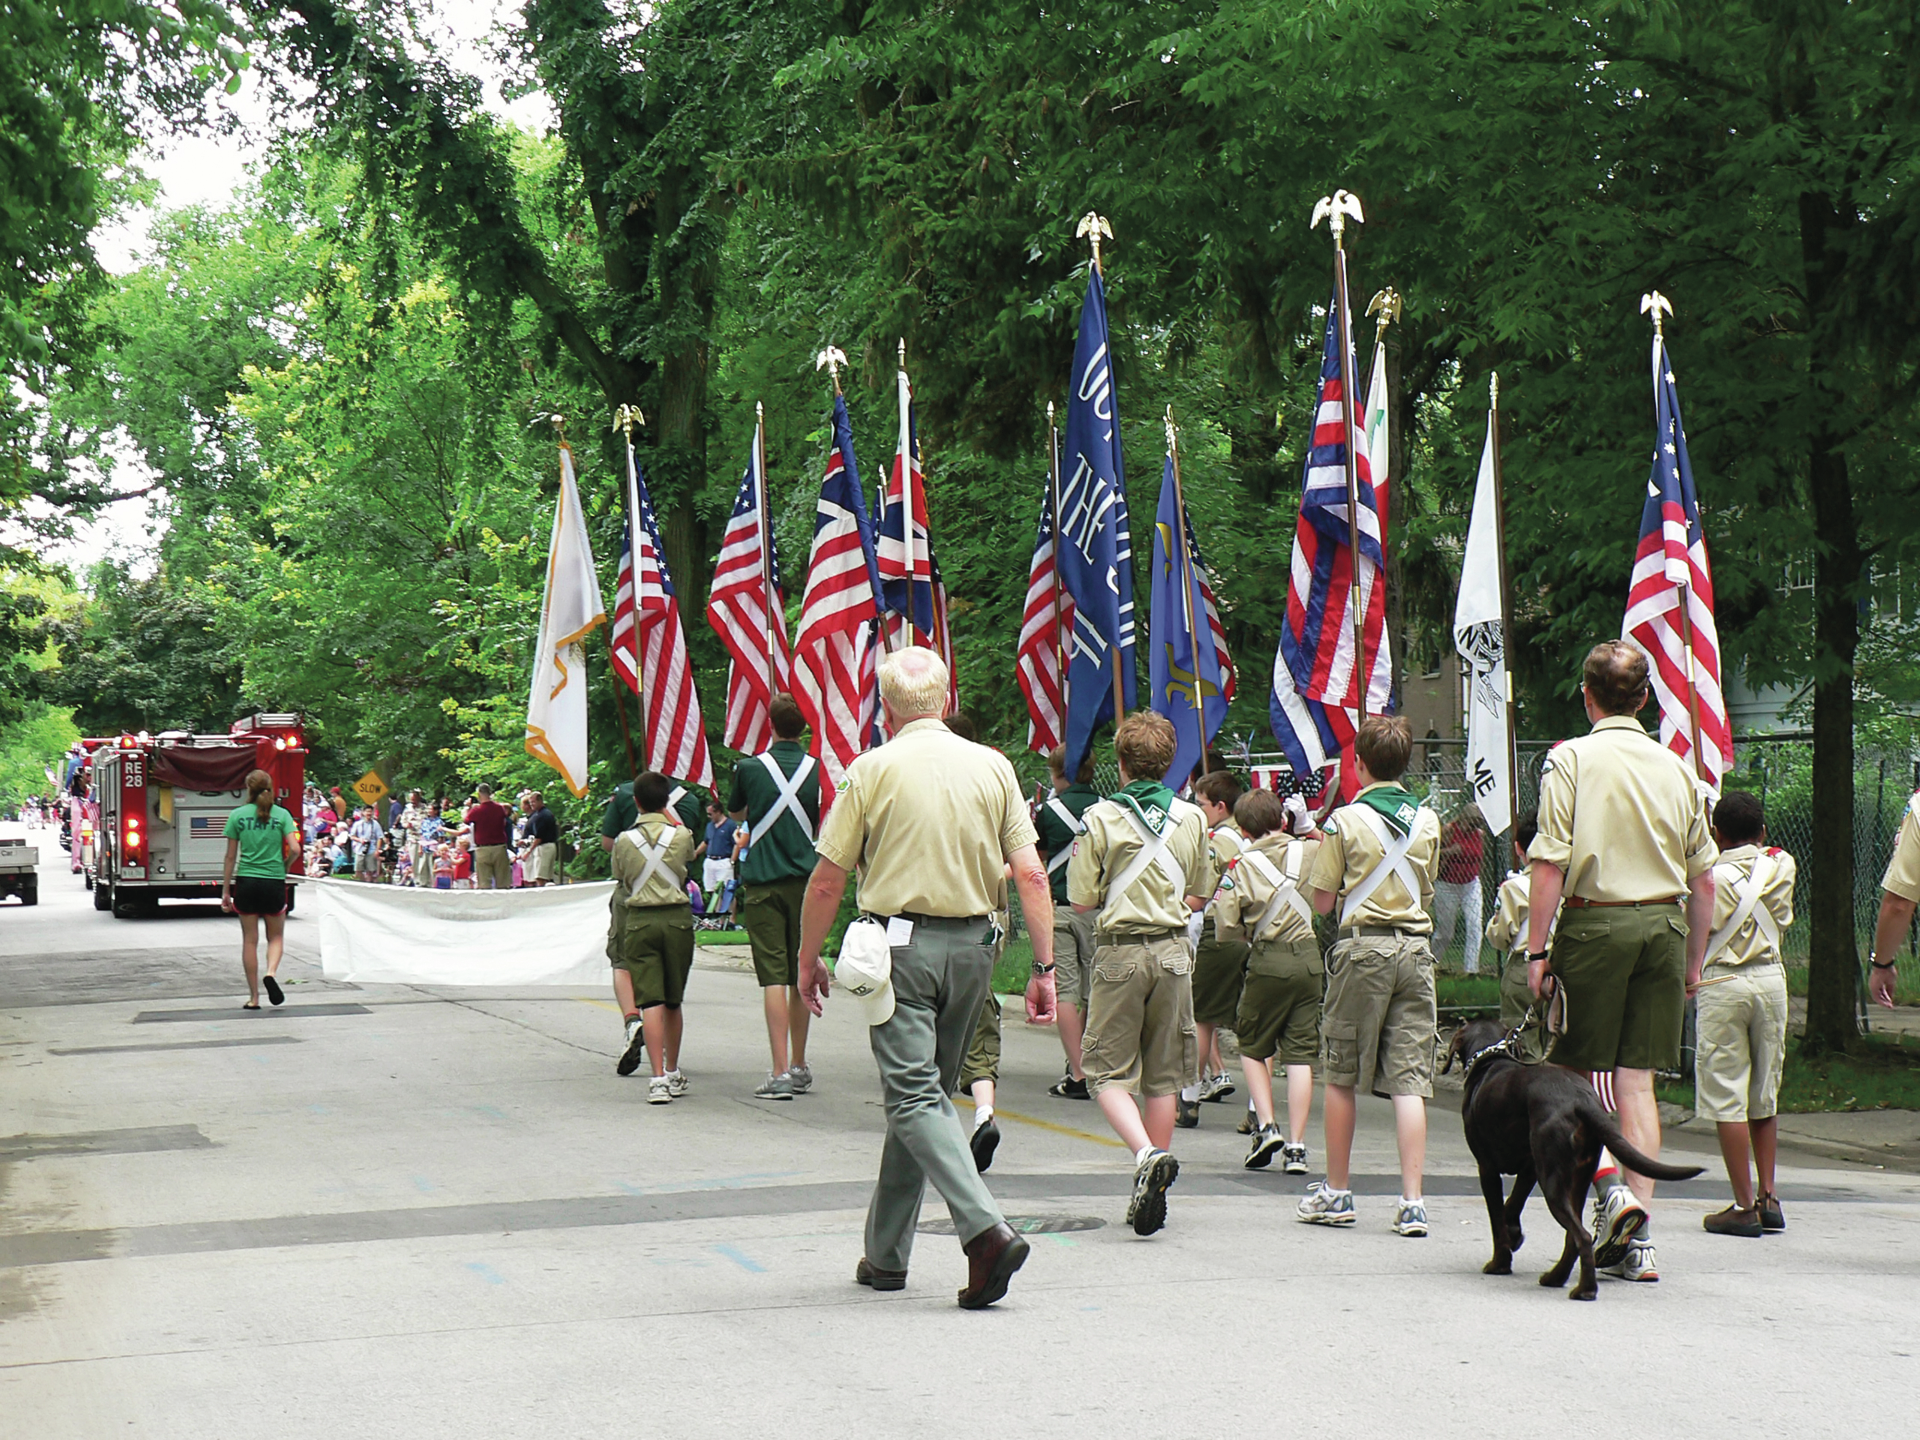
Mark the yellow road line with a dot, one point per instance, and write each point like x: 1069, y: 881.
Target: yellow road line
x: 1046, y: 1125
x: 603, y: 1004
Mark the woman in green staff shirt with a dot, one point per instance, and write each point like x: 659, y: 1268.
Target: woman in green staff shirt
x: 261, y: 839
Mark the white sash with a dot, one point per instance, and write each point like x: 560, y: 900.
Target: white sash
x: 1286, y: 889
x: 674, y: 797
x: 1153, y: 851
x: 655, y: 855
x: 789, y: 789
x: 1394, y: 862
x: 1067, y: 818
x: 1748, y: 888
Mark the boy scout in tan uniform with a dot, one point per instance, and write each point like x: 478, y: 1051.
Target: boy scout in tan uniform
x: 1377, y: 865
x: 1260, y: 898
x: 1219, y: 963
x: 1507, y: 934
x: 932, y: 824
x: 1900, y: 897
x: 654, y: 933
x: 1142, y: 869
x: 1623, y: 837
x: 1741, y: 1015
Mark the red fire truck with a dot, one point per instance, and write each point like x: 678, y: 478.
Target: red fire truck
x: 163, y: 806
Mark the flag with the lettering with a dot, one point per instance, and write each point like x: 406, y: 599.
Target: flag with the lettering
x: 1480, y: 635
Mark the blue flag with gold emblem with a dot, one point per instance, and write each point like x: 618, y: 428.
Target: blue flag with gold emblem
x: 1189, y: 687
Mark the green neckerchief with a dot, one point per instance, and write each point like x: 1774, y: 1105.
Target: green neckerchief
x: 1149, y: 799
x: 1395, y: 805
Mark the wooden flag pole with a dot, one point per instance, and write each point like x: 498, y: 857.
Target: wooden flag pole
x: 766, y: 540
x: 623, y: 420
x: 1656, y: 302
x: 1336, y: 208
x: 1093, y: 226
x: 1053, y: 525
x: 1506, y: 598
x: 1186, y: 582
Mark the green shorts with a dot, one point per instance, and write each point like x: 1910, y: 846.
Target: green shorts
x: 1280, y: 1006
x: 1515, y: 997
x: 770, y: 914
x: 1072, y: 955
x: 1625, y: 969
x: 1140, y: 1016
x: 983, y: 1052
x: 1219, y: 968
x: 656, y: 949
x: 1378, y: 1030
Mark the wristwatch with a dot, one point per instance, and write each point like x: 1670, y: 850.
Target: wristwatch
x: 1877, y: 963
x: 1534, y: 957
x: 1040, y: 969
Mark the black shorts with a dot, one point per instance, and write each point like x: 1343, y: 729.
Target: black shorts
x: 255, y: 896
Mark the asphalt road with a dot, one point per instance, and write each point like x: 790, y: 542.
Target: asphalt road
x: 394, y: 1212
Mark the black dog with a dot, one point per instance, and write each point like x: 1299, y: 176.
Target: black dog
x: 1542, y: 1125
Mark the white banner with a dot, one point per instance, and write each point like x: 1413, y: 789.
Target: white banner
x: 387, y: 935
x: 570, y: 610
x: 1479, y: 633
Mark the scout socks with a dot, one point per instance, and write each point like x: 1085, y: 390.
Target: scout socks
x: 1607, y: 1177
x: 981, y: 1115
x: 1190, y: 1093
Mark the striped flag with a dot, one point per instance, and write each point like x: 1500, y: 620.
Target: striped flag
x: 1044, y: 634
x: 1670, y: 570
x: 833, y: 669
x: 753, y: 630
x: 1229, y: 677
x: 913, y: 596
x: 649, y: 641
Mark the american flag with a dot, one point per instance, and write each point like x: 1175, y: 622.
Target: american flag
x: 1043, y: 638
x: 1670, y: 570
x: 912, y: 592
x: 1229, y: 677
x: 738, y: 609
x: 648, y: 640
x: 833, y: 670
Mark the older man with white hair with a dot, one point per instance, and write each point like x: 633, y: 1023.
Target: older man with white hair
x: 933, y: 823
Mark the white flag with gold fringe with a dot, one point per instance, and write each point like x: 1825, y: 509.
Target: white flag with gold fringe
x: 569, y: 612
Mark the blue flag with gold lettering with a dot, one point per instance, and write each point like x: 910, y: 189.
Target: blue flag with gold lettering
x: 1188, y: 685
x: 1094, y: 549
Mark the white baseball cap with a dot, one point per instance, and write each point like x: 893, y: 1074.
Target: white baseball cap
x: 865, y: 970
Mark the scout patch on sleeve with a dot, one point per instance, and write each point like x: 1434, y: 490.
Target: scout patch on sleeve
x: 841, y: 788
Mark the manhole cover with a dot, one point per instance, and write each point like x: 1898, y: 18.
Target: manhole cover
x: 1026, y: 1224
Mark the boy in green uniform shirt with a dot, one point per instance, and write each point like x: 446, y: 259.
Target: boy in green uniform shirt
x: 1059, y: 821
x: 655, y: 936
x: 1142, y: 868
x: 1219, y: 964
x: 1378, y: 863
x: 777, y: 795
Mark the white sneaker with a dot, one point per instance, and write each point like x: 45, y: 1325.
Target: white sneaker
x: 1216, y: 1087
x: 1412, y: 1219
x: 659, y: 1091
x: 1617, y: 1218
x: 1324, y: 1206
x: 1640, y: 1263
x: 1293, y: 1158
x: 802, y: 1078
x: 677, y: 1084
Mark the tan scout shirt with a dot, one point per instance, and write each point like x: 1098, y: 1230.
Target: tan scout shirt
x: 1351, y: 851
x: 1152, y: 904
x: 668, y: 883
x: 930, y: 821
x: 1244, y: 892
x: 1903, y: 870
x: 1748, y: 945
x: 1224, y: 841
x: 1507, y: 930
x: 1621, y: 815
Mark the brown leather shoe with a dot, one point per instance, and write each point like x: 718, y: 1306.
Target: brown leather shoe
x: 874, y: 1278
x: 992, y: 1257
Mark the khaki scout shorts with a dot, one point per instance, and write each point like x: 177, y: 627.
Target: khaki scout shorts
x: 983, y: 1051
x: 1280, y: 1006
x: 1625, y: 969
x: 1378, y: 1030
x: 1742, y: 1025
x: 1219, y: 969
x: 656, y: 949
x: 1072, y: 955
x: 1515, y: 997
x: 1139, y: 1034
x: 770, y: 914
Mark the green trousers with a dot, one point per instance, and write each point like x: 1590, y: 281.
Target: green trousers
x: 940, y: 980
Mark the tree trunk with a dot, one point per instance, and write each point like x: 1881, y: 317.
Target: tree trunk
x: 1833, y: 967
x: 681, y: 464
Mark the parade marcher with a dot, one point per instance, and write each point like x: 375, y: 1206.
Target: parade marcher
x: 1741, y: 1012
x: 262, y: 840
x: 1899, y: 898
x: 1279, y: 1020
x: 1507, y: 934
x: 1142, y: 868
x: 1623, y: 838
x: 931, y: 823
x: 1058, y: 821
x: 1219, y: 965
x: 777, y: 794
x: 1456, y: 894
x: 654, y: 937
x: 1377, y: 863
